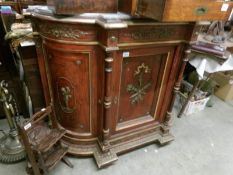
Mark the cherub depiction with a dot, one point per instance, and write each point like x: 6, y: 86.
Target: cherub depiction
x: 66, y: 94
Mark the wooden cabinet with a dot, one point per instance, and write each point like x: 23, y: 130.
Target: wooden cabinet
x: 175, y: 10
x: 112, y: 85
x: 31, y: 84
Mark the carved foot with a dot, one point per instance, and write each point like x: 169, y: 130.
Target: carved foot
x: 166, y: 136
x: 166, y: 139
x: 105, y: 158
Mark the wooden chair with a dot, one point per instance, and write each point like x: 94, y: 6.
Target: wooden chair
x: 42, y: 143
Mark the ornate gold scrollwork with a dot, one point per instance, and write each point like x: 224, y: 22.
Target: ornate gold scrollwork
x: 139, y: 91
x: 61, y: 31
x: 149, y: 34
x: 66, y: 94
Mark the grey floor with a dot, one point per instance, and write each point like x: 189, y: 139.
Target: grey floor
x: 203, y: 146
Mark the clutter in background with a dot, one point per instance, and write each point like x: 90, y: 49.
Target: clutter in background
x: 224, y: 88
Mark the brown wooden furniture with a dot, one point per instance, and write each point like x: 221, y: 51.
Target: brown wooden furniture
x: 176, y: 10
x: 32, y: 78
x: 82, y: 6
x: 112, y: 84
x: 42, y: 143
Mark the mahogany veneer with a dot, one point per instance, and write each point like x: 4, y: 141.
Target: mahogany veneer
x: 112, y: 85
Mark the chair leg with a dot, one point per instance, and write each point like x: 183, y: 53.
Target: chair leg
x: 67, y: 162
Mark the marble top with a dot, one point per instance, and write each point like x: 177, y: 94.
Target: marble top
x: 106, y: 20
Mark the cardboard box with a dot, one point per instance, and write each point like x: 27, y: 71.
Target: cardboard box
x: 193, y: 106
x: 224, y: 88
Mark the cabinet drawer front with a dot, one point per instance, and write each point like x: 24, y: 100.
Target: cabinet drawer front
x: 196, y: 10
x: 70, y: 76
x: 177, y: 11
x: 143, y: 82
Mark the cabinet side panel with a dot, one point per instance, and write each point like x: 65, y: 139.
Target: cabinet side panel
x: 70, y: 73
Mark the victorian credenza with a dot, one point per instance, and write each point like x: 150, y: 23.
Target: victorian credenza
x: 111, y: 80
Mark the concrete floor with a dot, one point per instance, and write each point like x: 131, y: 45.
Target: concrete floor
x: 203, y: 146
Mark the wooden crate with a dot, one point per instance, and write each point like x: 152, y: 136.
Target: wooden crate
x: 177, y: 11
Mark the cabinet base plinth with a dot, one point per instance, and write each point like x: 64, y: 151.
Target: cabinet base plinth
x: 165, y: 139
x: 105, y: 158
x: 166, y: 136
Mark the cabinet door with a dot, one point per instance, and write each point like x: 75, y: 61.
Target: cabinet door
x: 141, y: 89
x: 71, y: 86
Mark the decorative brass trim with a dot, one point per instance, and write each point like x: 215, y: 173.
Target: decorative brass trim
x: 110, y: 49
x: 153, y: 33
x: 66, y: 93
x: 130, y: 23
x: 108, y: 70
x: 47, y: 70
x: 176, y: 89
x: 200, y: 11
x: 107, y: 104
x: 78, y: 62
x: 140, y: 69
x: 164, y: 73
x: 106, y: 131
x: 151, y: 43
x: 71, y: 42
x: 84, y: 43
x: 113, y: 39
x: 61, y: 31
x: 109, y: 60
x: 139, y: 91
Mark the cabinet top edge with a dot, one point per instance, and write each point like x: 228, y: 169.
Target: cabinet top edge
x: 105, y: 20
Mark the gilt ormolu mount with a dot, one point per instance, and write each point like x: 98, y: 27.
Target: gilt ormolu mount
x: 138, y: 91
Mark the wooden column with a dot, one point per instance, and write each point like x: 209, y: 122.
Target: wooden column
x: 107, y: 99
x: 166, y: 136
x: 177, y: 86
